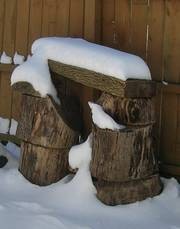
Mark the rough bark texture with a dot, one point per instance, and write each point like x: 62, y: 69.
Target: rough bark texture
x: 43, y: 166
x: 45, y: 124
x: 112, y: 85
x: 112, y: 193
x: 25, y: 88
x: 122, y: 155
x: 128, y: 111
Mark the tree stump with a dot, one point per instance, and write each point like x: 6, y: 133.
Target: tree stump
x: 47, y: 131
x: 123, y: 162
x: 42, y: 165
x: 127, y: 154
x: 128, y: 111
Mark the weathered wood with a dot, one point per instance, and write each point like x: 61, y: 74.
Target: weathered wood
x: 112, y: 193
x: 43, y: 166
x: 112, y: 85
x: 122, y: 155
x: 46, y: 124
x: 25, y: 88
x: 7, y: 67
x: 128, y: 111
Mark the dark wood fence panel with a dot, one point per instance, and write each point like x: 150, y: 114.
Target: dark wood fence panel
x: 150, y: 29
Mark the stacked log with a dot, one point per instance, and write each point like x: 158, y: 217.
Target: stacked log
x: 123, y: 161
x: 47, y: 131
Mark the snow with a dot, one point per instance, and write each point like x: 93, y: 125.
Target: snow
x: 76, y: 52
x: 8, y: 127
x: 80, y: 155
x: 13, y: 127
x: 71, y: 203
x: 18, y: 59
x: 4, y: 125
x: 5, y: 59
x: 102, y: 119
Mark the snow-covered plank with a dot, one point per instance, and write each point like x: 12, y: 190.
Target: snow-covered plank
x: 112, y: 85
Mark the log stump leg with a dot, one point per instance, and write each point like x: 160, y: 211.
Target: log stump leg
x: 48, y: 131
x: 123, y: 162
x: 42, y: 165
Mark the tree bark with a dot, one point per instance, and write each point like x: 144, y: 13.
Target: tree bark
x: 128, y: 111
x: 122, y: 155
x: 43, y: 166
x: 113, y: 193
x: 44, y: 123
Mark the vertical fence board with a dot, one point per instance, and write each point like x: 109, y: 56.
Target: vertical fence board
x: 123, y: 24
x: 108, y: 23
x: 8, y: 46
x: 139, y: 21
x: 21, y: 46
x: 35, y: 21
x: 49, y: 18
x: 76, y: 18
x: 172, y: 41
x: 62, y: 17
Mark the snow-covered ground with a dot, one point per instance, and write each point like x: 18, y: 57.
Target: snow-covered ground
x: 72, y: 204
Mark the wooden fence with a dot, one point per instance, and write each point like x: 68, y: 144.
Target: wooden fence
x: 148, y: 28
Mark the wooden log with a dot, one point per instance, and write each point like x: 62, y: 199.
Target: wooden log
x: 25, y: 88
x: 114, y: 193
x: 129, y: 88
x: 122, y: 155
x: 46, y: 124
x: 128, y: 111
x: 43, y: 166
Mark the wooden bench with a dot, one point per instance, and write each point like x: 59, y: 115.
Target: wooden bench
x: 124, y: 169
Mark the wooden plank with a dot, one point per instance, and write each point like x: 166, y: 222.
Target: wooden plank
x: 170, y: 170
x: 2, y: 11
x: 76, y: 18
x: 139, y: 22
x: 35, y: 21
x: 62, y: 17
x: 168, y: 128
x: 7, y: 67
x: 49, y: 18
x: 9, y: 37
x: 123, y: 24
x: 92, y: 16
x: 155, y: 43
x: 172, y: 42
x: 112, y: 85
x: 108, y: 23
x: 21, y: 46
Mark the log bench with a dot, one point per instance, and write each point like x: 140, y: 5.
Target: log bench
x: 123, y: 165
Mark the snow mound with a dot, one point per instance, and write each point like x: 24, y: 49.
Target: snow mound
x: 76, y: 52
x: 18, y: 59
x: 102, y: 119
x: 80, y: 155
x: 71, y: 203
x: 5, y: 59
